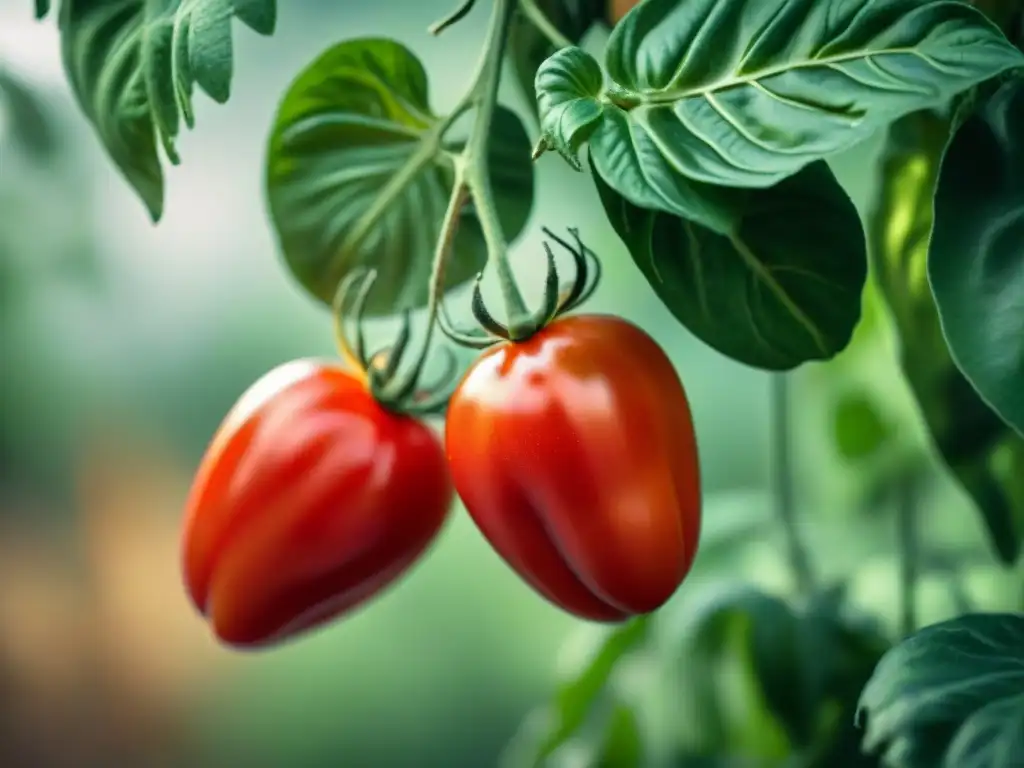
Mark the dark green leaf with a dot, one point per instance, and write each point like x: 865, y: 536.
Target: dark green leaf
x: 771, y: 295
x: 746, y: 93
x: 809, y: 665
x: 967, y: 433
x: 528, y: 47
x: 25, y: 118
x: 358, y: 175
x: 753, y: 635
x: 993, y: 737
x: 575, y: 698
x: 42, y: 8
x: 622, y: 745
x: 976, y: 258
x: 858, y: 428
x: 134, y: 64
x: 939, y: 680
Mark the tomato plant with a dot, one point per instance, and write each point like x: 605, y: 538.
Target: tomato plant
x: 711, y: 134
x: 575, y: 454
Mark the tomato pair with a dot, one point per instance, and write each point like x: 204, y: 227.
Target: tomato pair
x: 573, y: 452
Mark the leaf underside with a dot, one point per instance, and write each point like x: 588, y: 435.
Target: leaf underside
x: 358, y: 176
x: 134, y: 65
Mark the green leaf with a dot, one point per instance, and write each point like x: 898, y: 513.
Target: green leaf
x: 42, y: 8
x: 859, y: 429
x: 772, y: 295
x: 739, y: 643
x: 968, y: 435
x: 529, y: 47
x: 24, y: 117
x: 993, y: 737
x: 976, y: 257
x: 939, y: 689
x: 622, y: 745
x: 808, y: 665
x: 746, y: 93
x: 133, y: 66
x: 574, y: 699
x: 359, y: 174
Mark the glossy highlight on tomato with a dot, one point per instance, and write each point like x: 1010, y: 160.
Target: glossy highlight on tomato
x: 574, y: 452
x: 310, y: 500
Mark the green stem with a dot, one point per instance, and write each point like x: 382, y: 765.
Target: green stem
x: 782, y: 475
x: 907, y: 542
x: 478, y: 175
x: 472, y: 179
x: 539, y: 19
x: 402, y: 388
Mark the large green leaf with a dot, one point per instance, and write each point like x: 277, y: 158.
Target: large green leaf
x: 951, y: 690
x: 976, y: 257
x: 359, y: 174
x: 134, y: 64
x: 784, y: 289
x: 982, y: 452
x: 747, y: 92
x: 528, y: 46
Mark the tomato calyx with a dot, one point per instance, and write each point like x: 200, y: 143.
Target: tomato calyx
x: 558, y: 299
x: 381, y: 370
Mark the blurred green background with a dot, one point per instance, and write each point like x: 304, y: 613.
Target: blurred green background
x: 123, y: 344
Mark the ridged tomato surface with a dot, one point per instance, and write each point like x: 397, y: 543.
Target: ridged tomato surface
x: 575, y: 454
x: 310, y: 500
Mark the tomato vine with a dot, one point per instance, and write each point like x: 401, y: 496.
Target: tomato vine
x: 710, y: 131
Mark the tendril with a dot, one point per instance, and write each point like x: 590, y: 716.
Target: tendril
x: 350, y: 301
x: 453, y: 17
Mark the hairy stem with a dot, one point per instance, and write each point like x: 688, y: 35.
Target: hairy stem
x: 539, y: 19
x: 907, y: 542
x: 782, y: 476
x: 478, y: 179
x: 472, y: 180
x: 404, y: 387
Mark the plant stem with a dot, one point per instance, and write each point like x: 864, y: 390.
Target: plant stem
x: 539, y: 19
x: 478, y: 175
x: 907, y: 542
x: 782, y: 475
x: 449, y: 227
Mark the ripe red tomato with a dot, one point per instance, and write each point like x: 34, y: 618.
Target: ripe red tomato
x: 574, y: 452
x: 310, y: 500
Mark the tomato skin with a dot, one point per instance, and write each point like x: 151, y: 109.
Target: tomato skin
x: 574, y: 452
x: 310, y: 500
